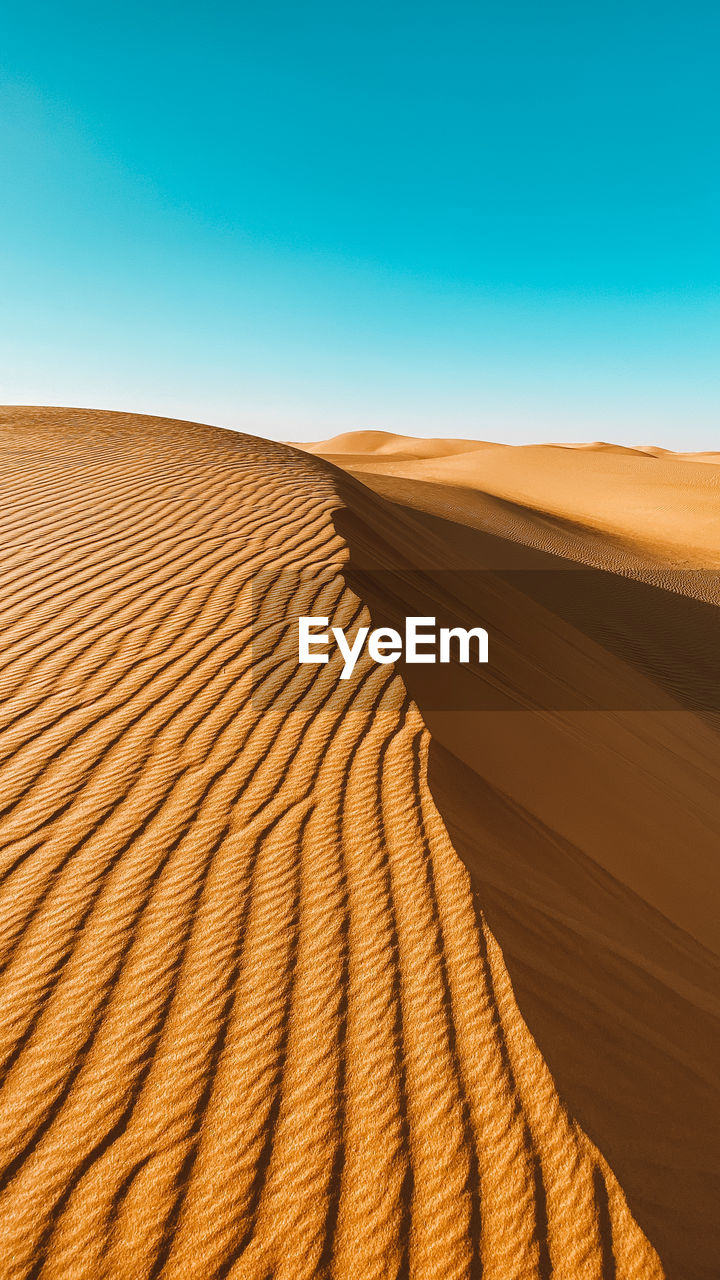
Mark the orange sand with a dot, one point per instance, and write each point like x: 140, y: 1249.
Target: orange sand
x: 254, y: 1022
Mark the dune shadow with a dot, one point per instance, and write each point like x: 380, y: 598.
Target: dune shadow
x: 621, y: 999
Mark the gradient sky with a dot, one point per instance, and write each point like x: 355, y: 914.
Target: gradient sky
x: 498, y: 221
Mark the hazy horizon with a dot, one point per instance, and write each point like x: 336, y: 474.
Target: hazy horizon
x: 309, y: 438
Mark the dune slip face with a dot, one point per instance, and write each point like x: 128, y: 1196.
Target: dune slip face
x: 253, y: 1022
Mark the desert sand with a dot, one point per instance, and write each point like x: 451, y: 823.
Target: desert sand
x: 303, y: 978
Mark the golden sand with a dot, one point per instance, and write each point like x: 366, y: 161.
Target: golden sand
x: 254, y: 1020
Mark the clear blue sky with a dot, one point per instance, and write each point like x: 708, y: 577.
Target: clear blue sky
x: 493, y: 220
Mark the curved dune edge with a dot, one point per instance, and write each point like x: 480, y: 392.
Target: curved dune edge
x: 251, y: 1023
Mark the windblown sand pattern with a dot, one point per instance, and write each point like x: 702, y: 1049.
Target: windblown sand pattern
x: 253, y: 1025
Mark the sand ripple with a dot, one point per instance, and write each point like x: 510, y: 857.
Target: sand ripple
x: 251, y: 1022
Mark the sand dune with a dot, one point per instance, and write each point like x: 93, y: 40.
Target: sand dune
x: 651, y: 501
x: 591, y: 826
x: 255, y: 1020
x: 388, y: 445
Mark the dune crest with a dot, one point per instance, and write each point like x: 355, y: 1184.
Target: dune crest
x: 253, y: 1023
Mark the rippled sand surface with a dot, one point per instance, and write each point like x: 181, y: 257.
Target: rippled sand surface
x: 254, y: 1021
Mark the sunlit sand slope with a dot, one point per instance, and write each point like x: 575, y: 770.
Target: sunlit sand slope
x: 251, y: 1023
x: 651, y: 500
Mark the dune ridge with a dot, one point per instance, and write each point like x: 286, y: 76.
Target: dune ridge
x: 252, y: 1022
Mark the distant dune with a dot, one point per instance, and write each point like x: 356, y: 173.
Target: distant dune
x: 310, y: 978
x: 652, y: 500
x: 405, y: 448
